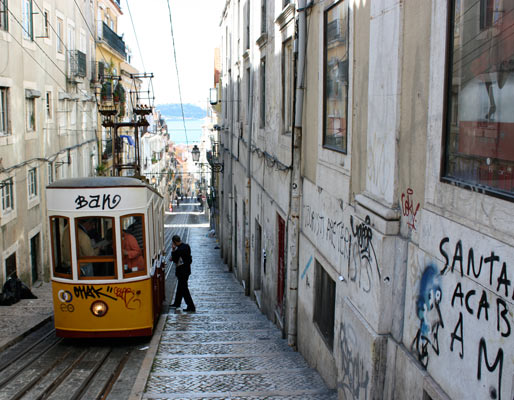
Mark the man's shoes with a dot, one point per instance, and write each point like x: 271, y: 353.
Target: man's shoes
x: 191, y: 310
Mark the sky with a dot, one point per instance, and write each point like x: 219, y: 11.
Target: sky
x: 196, y: 33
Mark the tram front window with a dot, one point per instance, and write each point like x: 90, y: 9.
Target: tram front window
x: 133, y: 245
x: 95, y: 247
x: 61, y: 249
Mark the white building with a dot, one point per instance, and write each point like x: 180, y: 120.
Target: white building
x: 373, y: 221
x: 47, y: 120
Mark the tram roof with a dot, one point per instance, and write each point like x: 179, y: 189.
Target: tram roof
x: 98, y: 181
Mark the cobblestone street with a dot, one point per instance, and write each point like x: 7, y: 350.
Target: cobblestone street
x: 227, y: 349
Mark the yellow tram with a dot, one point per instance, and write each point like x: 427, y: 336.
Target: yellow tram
x: 107, y: 251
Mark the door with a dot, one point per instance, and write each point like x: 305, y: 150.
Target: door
x: 34, y: 253
x: 258, y: 257
x: 281, y: 264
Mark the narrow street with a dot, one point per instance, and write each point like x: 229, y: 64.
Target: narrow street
x: 228, y: 349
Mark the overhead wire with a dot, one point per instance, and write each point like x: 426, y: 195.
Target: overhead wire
x: 178, y: 78
x: 150, y: 84
x: 51, y: 76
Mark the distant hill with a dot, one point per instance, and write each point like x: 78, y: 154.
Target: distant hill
x: 173, y: 111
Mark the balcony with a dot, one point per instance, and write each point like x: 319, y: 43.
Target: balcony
x: 113, y: 40
x: 77, y: 65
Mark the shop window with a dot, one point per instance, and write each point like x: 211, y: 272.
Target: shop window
x: 324, y: 304
x: 335, y: 81
x: 133, y: 245
x: 479, y: 137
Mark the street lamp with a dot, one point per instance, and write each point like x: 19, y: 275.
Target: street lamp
x: 214, y: 166
x: 154, y: 180
x: 195, y: 153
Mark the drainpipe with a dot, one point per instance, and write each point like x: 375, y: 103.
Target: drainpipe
x: 246, y: 276
x: 295, y: 189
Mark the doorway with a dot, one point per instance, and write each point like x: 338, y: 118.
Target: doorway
x: 257, y: 265
x: 34, y: 257
x: 281, y: 278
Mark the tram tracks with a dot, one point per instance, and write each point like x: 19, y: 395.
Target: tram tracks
x: 42, y: 366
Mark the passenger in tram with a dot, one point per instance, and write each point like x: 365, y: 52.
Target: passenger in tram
x: 84, y: 246
x: 133, y: 260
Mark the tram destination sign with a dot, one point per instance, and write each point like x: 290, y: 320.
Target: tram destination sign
x: 97, y: 200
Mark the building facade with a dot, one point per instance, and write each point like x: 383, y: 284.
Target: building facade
x: 367, y: 195
x: 48, y: 121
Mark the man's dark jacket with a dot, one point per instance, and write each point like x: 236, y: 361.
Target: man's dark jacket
x: 182, y: 251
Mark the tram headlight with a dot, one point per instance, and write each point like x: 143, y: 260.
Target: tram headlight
x: 99, y: 308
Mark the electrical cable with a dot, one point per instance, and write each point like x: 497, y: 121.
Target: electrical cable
x: 150, y: 84
x: 178, y: 79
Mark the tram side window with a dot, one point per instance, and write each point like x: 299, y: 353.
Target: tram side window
x: 61, y: 249
x: 133, y: 245
x: 95, y: 247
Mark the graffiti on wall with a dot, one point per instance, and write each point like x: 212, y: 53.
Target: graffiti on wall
x: 409, y: 208
x: 353, y: 241
x: 429, y: 314
x: 483, y: 299
x: 354, y: 375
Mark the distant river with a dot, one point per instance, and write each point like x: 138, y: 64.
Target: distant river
x: 191, y: 134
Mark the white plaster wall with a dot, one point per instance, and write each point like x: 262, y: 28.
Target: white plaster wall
x: 467, y: 315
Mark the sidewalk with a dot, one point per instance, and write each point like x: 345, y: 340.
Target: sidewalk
x: 24, y: 316
x: 228, y: 349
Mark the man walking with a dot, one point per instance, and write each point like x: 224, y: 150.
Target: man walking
x: 181, y: 256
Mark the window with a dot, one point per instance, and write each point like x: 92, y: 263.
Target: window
x: 248, y: 111
x: 324, y: 304
x: 71, y: 37
x: 27, y: 21
x: 46, y: 24
x: 61, y: 247
x: 4, y: 15
x: 48, y: 105
x: 335, y: 79
x: 7, y: 196
x: 73, y: 112
x: 479, y: 136
x: 31, y: 114
x: 96, y: 247
x: 263, y: 93
x: 287, y: 85
x: 51, y: 176
x: 263, y: 16
x: 133, y: 245
x: 247, y: 25
x: 32, y: 183
x: 4, y: 111
x: 60, y: 32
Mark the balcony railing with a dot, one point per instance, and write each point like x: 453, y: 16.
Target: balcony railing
x: 77, y: 62
x: 113, y: 40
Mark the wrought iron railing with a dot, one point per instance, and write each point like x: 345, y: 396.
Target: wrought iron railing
x: 113, y: 40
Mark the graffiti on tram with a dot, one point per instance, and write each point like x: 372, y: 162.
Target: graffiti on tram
x: 128, y: 296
